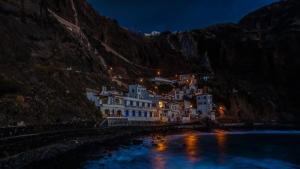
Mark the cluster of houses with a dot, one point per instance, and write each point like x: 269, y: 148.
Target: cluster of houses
x: 182, y: 105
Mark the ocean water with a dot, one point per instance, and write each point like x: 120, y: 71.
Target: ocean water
x: 198, y: 150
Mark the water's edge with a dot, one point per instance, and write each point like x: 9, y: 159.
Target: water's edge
x: 23, y: 159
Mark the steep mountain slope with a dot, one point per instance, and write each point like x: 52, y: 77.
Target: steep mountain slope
x: 262, y: 51
x: 51, y: 51
x: 45, y: 67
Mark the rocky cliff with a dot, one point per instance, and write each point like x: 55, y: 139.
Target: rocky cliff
x: 51, y: 51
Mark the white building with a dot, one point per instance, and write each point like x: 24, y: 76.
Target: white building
x: 112, y: 106
x: 178, y: 94
x: 140, y: 109
x: 175, y: 111
x: 111, y: 103
x: 205, y: 106
x: 138, y: 92
x: 92, y: 96
x: 170, y: 111
x: 139, y: 106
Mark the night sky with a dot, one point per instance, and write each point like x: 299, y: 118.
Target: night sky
x: 175, y: 15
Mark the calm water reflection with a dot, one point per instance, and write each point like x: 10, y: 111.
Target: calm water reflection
x: 221, y: 141
x: 195, y: 150
x: 191, y: 146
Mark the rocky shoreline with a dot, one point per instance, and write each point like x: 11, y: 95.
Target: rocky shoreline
x: 50, y: 151
x: 116, y: 136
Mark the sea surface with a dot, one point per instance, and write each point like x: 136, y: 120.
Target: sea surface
x: 195, y: 150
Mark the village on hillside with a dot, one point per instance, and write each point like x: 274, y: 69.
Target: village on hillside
x: 176, y: 100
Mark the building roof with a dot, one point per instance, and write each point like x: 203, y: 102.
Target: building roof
x: 162, y: 80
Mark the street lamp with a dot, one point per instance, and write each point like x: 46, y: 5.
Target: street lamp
x: 222, y: 111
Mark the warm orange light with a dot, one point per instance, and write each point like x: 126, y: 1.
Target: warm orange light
x: 141, y: 80
x: 221, y: 138
x: 158, y: 73
x: 191, y: 142
x: 159, y: 161
x: 161, y: 147
x: 222, y: 110
x: 160, y: 103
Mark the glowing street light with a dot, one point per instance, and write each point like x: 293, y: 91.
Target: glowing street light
x: 160, y: 103
x: 222, y: 111
x: 158, y: 73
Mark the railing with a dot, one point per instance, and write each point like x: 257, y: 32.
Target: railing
x: 123, y: 121
x: 16, y: 144
x: 21, y: 139
x: 16, y: 131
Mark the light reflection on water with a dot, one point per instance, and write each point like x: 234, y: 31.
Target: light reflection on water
x: 194, y: 150
x: 197, y: 150
x: 191, y: 146
x: 221, y: 141
x: 159, y: 160
x: 161, y: 147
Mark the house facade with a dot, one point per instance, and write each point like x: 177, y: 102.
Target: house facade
x: 112, y: 105
x: 139, y: 105
x: 178, y: 95
x: 205, y: 106
x: 140, y: 109
x: 138, y: 92
x: 170, y: 111
x: 92, y: 96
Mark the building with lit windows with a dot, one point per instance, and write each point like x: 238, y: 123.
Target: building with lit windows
x: 137, y: 105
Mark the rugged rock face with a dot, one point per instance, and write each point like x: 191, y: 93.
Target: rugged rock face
x: 261, y: 51
x: 45, y: 68
x: 50, y: 51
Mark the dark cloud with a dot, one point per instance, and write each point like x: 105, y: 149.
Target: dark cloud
x: 160, y: 15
